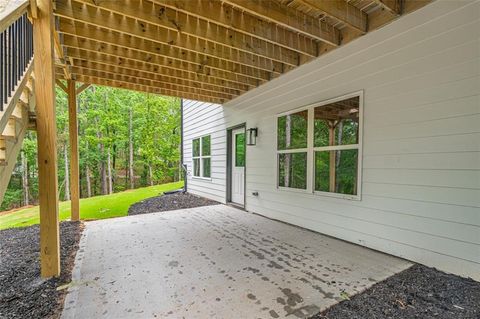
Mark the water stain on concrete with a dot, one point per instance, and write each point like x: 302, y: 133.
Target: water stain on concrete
x: 273, y: 314
x: 259, y: 255
x: 302, y: 312
x: 273, y: 264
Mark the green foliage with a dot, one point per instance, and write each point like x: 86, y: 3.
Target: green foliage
x: 196, y: 147
x: 206, y: 145
x: 103, y: 121
x: 97, y: 207
x: 293, y: 170
x: 12, y: 197
x: 292, y: 131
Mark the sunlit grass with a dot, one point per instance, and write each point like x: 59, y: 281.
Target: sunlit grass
x: 98, y: 207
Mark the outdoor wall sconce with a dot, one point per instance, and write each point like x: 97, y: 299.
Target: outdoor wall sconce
x: 252, y: 136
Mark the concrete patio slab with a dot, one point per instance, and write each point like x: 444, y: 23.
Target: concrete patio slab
x: 215, y: 262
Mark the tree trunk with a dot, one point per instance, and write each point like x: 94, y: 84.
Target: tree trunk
x: 87, y: 177
x: 110, y: 180
x: 67, y: 176
x: 130, y: 146
x: 150, y: 174
x: 102, y: 167
x: 26, y: 194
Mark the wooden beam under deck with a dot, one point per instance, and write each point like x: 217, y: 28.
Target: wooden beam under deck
x: 342, y: 11
x: 137, y: 63
x: 237, y: 21
x: 160, y: 78
x: 83, y: 36
x: 224, y: 47
x: 161, y: 85
x: 148, y: 89
x: 289, y: 18
x: 174, y: 22
x: 166, y: 40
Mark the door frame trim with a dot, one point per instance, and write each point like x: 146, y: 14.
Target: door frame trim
x: 228, y: 197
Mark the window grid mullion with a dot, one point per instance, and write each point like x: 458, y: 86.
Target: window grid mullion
x: 295, y: 150
x: 336, y: 147
x: 310, y: 157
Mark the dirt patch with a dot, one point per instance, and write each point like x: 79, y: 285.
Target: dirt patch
x: 13, y: 210
x: 23, y: 293
x: 418, y: 292
x: 169, y: 202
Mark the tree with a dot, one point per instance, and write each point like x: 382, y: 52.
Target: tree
x: 122, y: 134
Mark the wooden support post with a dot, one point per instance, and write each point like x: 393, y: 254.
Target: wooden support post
x: 73, y: 134
x: 331, y: 142
x: 46, y: 139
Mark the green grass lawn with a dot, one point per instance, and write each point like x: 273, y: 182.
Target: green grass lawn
x: 98, y: 207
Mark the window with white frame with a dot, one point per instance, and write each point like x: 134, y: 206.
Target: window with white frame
x: 319, y: 147
x: 201, y: 154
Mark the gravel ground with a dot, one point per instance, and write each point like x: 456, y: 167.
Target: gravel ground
x: 418, y: 292
x: 23, y: 294
x: 169, y: 202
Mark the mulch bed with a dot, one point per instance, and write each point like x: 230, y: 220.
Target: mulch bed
x: 23, y: 293
x: 169, y: 202
x: 418, y: 292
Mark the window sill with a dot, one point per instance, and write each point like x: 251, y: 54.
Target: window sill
x: 206, y: 179
x: 338, y: 195
x: 320, y: 194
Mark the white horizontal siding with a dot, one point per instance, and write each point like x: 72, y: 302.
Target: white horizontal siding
x: 201, y: 119
x: 421, y: 143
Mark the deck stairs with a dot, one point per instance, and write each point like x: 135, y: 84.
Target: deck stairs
x: 17, y: 99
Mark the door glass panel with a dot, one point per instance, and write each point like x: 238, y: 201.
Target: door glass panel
x: 240, y: 150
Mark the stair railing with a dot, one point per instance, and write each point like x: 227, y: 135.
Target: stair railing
x: 16, y: 50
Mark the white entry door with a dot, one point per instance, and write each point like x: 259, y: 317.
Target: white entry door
x: 238, y: 166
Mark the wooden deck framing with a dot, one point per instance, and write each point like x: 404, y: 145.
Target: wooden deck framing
x: 210, y: 50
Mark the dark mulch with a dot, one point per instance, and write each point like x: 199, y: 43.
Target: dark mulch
x: 169, y: 202
x: 418, y: 292
x: 23, y: 294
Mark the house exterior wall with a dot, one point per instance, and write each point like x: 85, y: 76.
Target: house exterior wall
x: 421, y: 139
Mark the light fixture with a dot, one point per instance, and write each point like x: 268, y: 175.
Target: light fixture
x: 252, y: 136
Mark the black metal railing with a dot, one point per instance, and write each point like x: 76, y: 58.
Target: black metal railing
x: 16, y: 52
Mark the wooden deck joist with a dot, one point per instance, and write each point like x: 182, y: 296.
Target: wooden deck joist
x: 145, y: 82
x: 83, y: 34
x: 224, y: 47
x: 177, y: 22
x: 168, y: 40
x: 152, y: 71
x: 289, y: 18
x: 79, y: 66
x: 342, y: 11
x: 119, y: 55
x: 148, y: 89
x: 237, y: 21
